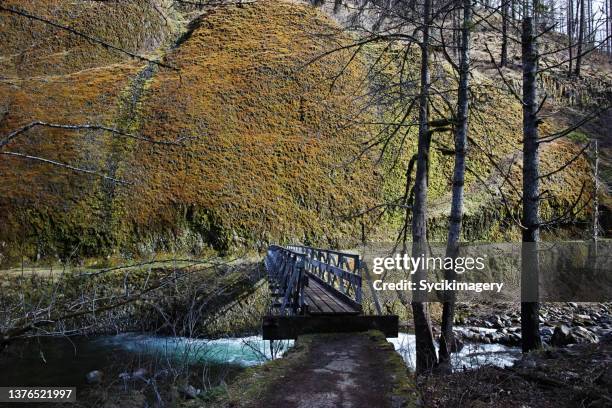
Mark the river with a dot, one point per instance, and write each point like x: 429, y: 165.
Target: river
x: 66, y: 361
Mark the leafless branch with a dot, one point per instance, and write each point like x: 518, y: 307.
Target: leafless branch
x: 64, y: 165
x: 118, y: 132
x: 83, y: 35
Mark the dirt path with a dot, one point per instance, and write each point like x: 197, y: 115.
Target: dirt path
x: 348, y: 371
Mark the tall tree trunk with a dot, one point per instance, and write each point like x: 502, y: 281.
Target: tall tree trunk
x: 589, y: 20
x: 456, y: 214
x: 570, y: 33
x: 337, y: 5
x: 504, y: 45
x: 581, y: 29
x: 531, y: 221
x: 608, y: 26
x: 425, y: 350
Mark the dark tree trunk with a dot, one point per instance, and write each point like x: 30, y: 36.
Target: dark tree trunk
x: 608, y: 26
x: 589, y: 20
x: 337, y: 5
x: 570, y: 34
x: 504, y: 44
x: 425, y: 350
x: 531, y: 221
x: 581, y: 29
x: 456, y: 214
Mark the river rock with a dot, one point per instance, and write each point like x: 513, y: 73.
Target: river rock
x: 189, y: 391
x: 562, y: 336
x: 582, y: 319
x: 140, y: 374
x: 498, y: 323
x: 457, y: 345
x: 512, y: 339
x: 546, y: 331
x: 94, y: 377
x: 583, y: 335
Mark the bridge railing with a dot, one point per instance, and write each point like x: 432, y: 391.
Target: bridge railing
x: 286, y: 275
x: 339, y: 271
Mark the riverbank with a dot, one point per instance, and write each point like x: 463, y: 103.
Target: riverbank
x: 579, y: 375
x: 561, y: 324
x: 130, y: 369
x: 213, y: 297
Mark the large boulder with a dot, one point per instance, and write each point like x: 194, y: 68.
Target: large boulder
x: 562, y: 336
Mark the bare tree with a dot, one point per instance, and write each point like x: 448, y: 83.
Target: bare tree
x: 531, y: 180
x: 426, y: 351
x: 581, y: 34
x: 456, y: 214
x: 504, y: 45
x: 570, y: 34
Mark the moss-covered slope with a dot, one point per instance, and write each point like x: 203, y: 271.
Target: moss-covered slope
x: 266, y: 147
x: 34, y: 48
x: 266, y: 132
x: 262, y: 149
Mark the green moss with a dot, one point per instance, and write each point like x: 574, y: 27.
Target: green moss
x: 265, y: 157
x: 404, y: 385
x: 578, y: 137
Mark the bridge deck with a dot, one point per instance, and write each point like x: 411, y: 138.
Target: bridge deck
x: 323, y: 302
x: 317, y: 291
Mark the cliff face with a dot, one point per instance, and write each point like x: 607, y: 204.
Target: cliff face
x: 267, y: 132
x: 262, y: 149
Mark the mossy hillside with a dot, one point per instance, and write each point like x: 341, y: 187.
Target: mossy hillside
x: 266, y: 149
x: 33, y: 48
x: 266, y: 139
x: 495, y: 129
x: 494, y: 171
x: 273, y: 120
x: 54, y: 76
x: 52, y: 209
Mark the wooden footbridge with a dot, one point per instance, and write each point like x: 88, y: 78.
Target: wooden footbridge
x: 317, y: 291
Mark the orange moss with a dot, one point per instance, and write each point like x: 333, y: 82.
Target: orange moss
x: 265, y: 136
x: 265, y: 160
x: 31, y: 48
x: 41, y: 202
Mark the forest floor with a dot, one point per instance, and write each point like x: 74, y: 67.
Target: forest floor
x: 577, y: 376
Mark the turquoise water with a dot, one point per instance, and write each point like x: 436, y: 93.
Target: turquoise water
x: 250, y: 351
x: 65, y: 361
x: 242, y: 351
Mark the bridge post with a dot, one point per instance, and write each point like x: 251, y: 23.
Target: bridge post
x: 298, y: 303
x: 358, y: 290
